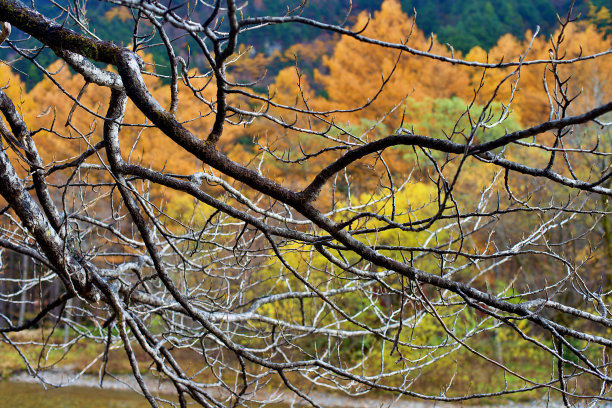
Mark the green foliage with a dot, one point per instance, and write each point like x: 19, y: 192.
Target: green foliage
x: 460, y: 23
x: 438, y: 118
x: 481, y: 22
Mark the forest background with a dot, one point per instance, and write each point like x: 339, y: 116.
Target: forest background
x: 298, y: 68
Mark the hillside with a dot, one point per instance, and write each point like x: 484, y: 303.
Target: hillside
x: 463, y: 25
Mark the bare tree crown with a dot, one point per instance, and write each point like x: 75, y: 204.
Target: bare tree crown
x: 237, y: 235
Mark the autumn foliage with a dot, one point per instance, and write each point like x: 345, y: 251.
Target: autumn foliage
x: 351, y: 76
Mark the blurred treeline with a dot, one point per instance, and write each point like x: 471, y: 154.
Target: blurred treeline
x: 463, y: 25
